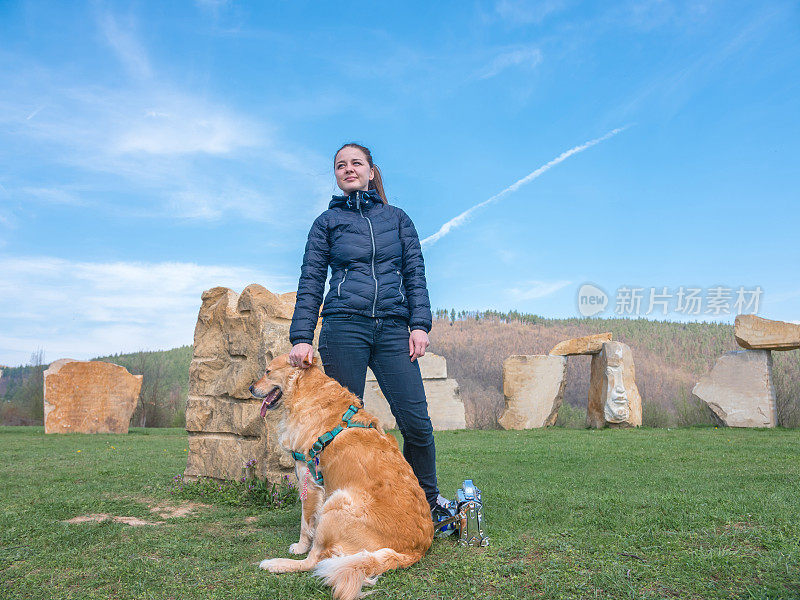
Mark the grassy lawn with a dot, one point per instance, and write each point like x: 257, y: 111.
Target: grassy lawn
x: 651, y: 513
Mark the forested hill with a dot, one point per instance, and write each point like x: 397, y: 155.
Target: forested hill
x: 669, y: 358
x: 165, y: 385
x: 162, y: 402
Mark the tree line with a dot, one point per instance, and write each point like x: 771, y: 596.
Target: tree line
x: 669, y: 358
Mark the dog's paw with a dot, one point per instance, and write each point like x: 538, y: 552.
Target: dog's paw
x: 298, y: 548
x: 267, y: 563
x: 279, y: 565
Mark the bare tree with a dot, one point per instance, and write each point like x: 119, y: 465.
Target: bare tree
x: 139, y: 367
x: 155, y: 374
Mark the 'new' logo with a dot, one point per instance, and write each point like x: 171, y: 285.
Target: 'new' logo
x: 591, y: 300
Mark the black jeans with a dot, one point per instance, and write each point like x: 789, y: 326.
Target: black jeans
x: 350, y: 343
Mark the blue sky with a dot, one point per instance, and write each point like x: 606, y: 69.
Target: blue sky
x: 151, y: 150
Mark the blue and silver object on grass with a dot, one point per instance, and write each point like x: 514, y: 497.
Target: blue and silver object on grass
x: 467, y: 517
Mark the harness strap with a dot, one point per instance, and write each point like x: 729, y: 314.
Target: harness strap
x: 312, y: 461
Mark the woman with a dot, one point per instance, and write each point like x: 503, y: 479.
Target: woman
x: 377, y: 294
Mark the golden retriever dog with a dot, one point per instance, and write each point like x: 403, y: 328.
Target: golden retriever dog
x: 370, y: 516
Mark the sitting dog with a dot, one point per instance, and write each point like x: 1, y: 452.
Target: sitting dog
x: 370, y: 514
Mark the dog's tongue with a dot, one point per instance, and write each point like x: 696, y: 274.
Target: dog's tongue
x: 268, y: 400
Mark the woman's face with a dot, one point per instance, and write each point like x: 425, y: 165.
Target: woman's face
x: 352, y: 170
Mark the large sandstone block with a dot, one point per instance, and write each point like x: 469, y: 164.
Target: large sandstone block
x: 756, y: 333
x: 445, y: 406
x: 533, y: 386
x: 221, y: 415
x: 433, y: 366
x: 236, y: 336
x: 614, y: 399
x: 739, y: 389
x: 589, y: 344
x: 233, y: 336
x: 224, y: 456
x: 89, y: 397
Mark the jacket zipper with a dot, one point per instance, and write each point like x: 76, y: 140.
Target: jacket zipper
x: 372, y: 239
x: 400, y: 287
x: 339, y: 287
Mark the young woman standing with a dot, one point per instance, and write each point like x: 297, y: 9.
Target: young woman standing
x: 377, y: 313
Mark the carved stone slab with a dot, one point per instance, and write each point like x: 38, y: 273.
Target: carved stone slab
x: 236, y: 336
x: 533, y: 386
x: 614, y: 399
x: 89, y: 397
x: 739, y: 389
x: 755, y: 333
x: 589, y: 344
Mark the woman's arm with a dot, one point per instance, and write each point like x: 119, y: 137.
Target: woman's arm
x: 312, y: 283
x: 414, y: 276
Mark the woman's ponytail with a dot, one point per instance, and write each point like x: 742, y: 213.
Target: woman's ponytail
x: 376, y: 183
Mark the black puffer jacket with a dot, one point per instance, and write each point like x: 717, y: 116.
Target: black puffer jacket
x: 376, y: 266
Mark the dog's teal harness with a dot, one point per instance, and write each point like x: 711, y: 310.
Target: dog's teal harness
x: 326, y: 438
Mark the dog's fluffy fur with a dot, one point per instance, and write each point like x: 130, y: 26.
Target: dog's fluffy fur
x: 371, y: 516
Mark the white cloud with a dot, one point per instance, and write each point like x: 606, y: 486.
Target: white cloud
x: 101, y: 123
x: 526, y: 57
x: 668, y: 91
x: 55, y: 196
x: 151, y: 148
x: 531, y: 290
x: 200, y: 204
x: 85, y: 309
x: 126, y: 46
x: 181, y: 125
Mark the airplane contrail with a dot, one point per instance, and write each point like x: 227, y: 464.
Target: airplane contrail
x: 462, y: 218
x: 34, y: 113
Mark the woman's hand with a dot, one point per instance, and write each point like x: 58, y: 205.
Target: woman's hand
x: 301, y: 355
x: 417, y: 342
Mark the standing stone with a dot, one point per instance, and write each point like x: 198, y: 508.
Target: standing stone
x: 533, y: 386
x: 755, y: 333
x: 614, y: 399
x: 236, y: 336
x: 739, y: 389
x: 89, y: 397
x: 589, y: 344
x: 445, y: 406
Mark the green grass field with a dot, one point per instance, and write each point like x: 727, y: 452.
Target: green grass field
x: 650, y: 513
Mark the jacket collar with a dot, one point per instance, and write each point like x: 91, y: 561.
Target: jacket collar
x: 356, y: 200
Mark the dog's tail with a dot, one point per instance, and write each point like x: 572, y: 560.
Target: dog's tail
x: 348, y: 574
